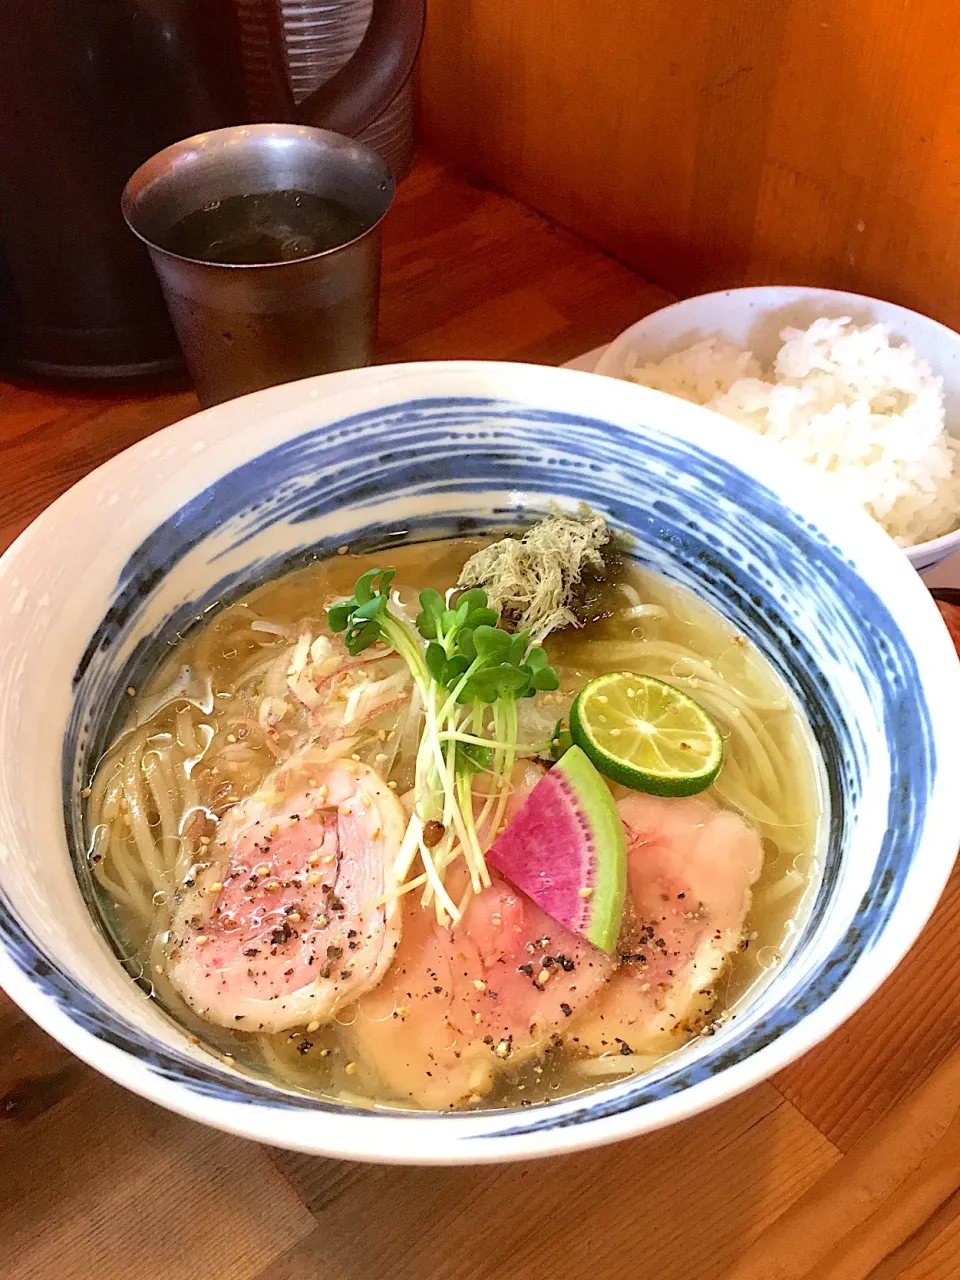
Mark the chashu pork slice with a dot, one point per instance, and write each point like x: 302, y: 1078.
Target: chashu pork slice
x: 284, y: 922
x: 690, y: 869
x: 462, y: 1005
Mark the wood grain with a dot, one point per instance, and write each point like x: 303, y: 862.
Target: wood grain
x: 111, y: 1186
x: 685, y: 1202
x: 841, y: 1163
x: 911, y: 1025
x: 721, y: 142
x: 866, y: 1208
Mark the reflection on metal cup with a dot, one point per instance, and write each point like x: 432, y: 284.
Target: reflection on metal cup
x: 243, y: 325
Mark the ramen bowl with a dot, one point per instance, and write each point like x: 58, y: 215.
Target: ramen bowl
x: 95, y: 591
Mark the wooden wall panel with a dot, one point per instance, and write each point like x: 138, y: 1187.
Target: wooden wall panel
x: 719, y: 142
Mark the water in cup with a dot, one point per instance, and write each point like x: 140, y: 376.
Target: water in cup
x: 271, y: 226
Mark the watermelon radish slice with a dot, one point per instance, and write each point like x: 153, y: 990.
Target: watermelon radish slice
x: 566, y: 850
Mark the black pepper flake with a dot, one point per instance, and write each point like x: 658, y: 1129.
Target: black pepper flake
x: 488, y: 1039
x: 565, y: 963
x: 625, y: 1050
x: 252, y: 951
x: 437, y: 990
x: 565, y: 1009
x: 525, y: 968
x: 304, y: 1046
x: 334, y: 953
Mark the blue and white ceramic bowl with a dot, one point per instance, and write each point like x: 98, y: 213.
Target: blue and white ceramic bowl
x: 91, y: 594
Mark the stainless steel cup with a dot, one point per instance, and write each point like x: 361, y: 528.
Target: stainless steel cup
x: 243, y: 327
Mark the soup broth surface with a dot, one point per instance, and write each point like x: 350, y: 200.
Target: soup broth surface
x: 198, y: 741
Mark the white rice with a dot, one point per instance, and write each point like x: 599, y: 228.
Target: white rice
x: 846, y: 401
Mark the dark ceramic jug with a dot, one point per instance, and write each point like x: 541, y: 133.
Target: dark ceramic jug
x: 89, y: 89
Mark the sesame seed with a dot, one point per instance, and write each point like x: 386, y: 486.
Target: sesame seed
x: 392, y: 786
x: 585, y: 892
x: 200, y: 939
x: 272, y: 886
x: 481, y: 986
x: 543, y: 977
x: 313, y: 860
x: 314, y: 878
x: 355, y: 757
x: 314, y: 1025
x: 231, y: 737
x: 342, y: 551
x: 351, y: 1068
x: 214, y: 888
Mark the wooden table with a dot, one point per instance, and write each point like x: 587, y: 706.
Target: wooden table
x: 846, y: 1165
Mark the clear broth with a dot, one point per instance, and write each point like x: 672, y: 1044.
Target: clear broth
x: 643, y: 623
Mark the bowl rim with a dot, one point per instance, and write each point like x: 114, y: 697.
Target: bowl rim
x: 922, y: 554
x: 935, y: 842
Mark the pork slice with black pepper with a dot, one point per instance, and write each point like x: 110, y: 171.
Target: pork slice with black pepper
x: 462, y: 1005
x: 285, y: 920
x: 690, y: 868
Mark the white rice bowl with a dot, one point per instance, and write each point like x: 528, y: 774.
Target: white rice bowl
x: 865, y: 410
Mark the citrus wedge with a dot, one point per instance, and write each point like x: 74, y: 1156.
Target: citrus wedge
x: 646, y: 734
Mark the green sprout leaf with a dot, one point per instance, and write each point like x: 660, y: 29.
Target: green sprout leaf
x: 473, y: 758
x: 560, y: 740
x: 545, y: 681
x: 431, y: 607
x: 361, y: 617
x: 436, y: 658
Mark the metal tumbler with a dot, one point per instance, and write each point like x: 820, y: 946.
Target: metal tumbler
x: 244, y: 326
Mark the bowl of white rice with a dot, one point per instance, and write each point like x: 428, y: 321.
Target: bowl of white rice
x: 863, y: 391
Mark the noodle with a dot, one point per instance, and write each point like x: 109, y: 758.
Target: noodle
x: 161, y: 788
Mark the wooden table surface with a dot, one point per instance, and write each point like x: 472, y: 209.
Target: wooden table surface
x: 845, y: 1166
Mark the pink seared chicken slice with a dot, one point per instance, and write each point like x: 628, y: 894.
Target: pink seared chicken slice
x: 285, y: 924
x: 690, y: 867
x: 458, y: 1006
